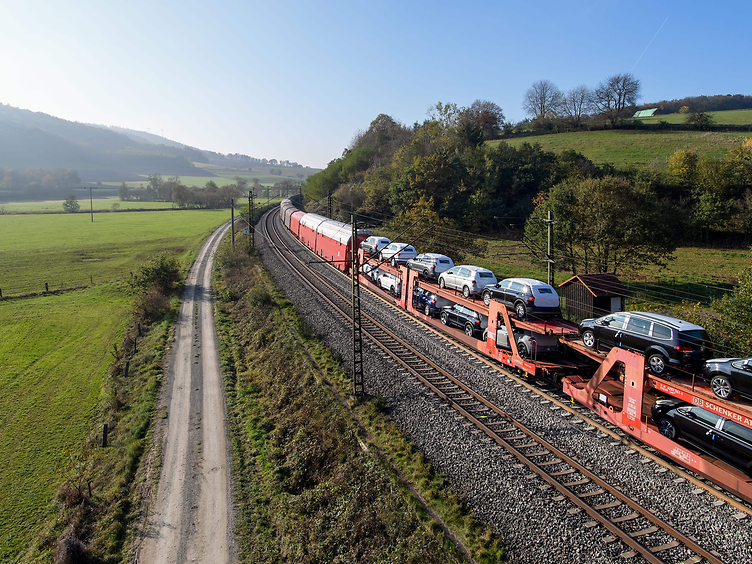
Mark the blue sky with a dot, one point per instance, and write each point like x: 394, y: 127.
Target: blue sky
x: 296, y: 80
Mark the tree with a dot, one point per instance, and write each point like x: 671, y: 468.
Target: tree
x: 575, y: 104
x: 486, y: 115
x: 542, y: 100
x: 700, y: 120
x: 71, y: 204
x: 615, y: 95
x: 602, y: 225
x: 124, y: 192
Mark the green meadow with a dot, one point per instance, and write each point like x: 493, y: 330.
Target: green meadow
x: 55, y: 350
x: 634, y: 147
x: 69, y: 250
x: 730, y: 117
x: 101, y: 204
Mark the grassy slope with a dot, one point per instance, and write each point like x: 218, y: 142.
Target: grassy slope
x: 99, y: 204
x: 53, y: 357
x: 67, y: 250
x: 54, y: 349
x: 637, y: 148
x: 730, y: 117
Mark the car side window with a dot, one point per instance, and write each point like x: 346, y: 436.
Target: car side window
x: 710, y: 419
x: 453, y: 270
x: 464, y: 272
x: 517, y: 287
x: 639, y: 326
x: 618, y: 321
x: 661, y: 332
x: 739, y: 431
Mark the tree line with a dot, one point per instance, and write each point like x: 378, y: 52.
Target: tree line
x: 210, y: 196
x: 39, y: 179
x: 608, y: 219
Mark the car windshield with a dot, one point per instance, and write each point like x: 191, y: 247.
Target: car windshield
x: 486, y: 274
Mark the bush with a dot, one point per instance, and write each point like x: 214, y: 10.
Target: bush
x: 162, y: 272
x: 152, y: 306
x: 71, y: 204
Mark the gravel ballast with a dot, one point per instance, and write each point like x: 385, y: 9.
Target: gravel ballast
x: 534, y: 527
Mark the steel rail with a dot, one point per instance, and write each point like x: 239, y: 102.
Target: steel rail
x: 485, y: 415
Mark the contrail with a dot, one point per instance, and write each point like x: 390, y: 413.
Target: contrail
x: 651, y: 41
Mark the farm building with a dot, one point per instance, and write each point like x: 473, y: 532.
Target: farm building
x: 593, y: 295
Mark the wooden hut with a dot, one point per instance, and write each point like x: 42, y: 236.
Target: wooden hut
x: 592, y: 295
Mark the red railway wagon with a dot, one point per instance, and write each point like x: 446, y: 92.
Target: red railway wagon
x: 333, y: 242
x: 309, y: 224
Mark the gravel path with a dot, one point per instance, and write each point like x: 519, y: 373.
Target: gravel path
x: 521, y: 508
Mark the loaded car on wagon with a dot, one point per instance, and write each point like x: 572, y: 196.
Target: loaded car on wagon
x: 529, y: 344
x: 397, y: 253
x: 666, y: 342
x: 709, y: 432
x: 430, y: 265
x: 373, y: 244
x: 460, y: 316
x: 466, y: 278
x: 729, y: 376
x: 525, y: 296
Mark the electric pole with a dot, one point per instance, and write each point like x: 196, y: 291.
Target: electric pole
x: 357, y: 334
x: 251, y: 214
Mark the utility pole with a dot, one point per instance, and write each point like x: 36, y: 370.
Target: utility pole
x: 550, y: 250
x: 251, y: 214
x: 358, y: 390
x: 232, y: 222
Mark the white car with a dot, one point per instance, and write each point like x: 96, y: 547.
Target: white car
x: 398, y: 253
x: 389, y: 282
x: 468, y: 279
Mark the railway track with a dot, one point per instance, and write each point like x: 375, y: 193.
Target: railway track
x: 641, y: 532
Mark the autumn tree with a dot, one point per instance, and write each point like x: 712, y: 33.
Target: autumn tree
x: 71, y: 204
x: 602, y: 225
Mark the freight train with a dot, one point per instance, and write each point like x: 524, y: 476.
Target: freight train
x: 615, y: 386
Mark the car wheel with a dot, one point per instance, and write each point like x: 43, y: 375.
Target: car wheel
x: 667, y: 428
x: 442, y: 283
x: 425, y: 274
x: 469, y: 329
x: 466, y: 291
x: 522, y: 350
x: 394, y: 262
x: 520, y: 310
x: 487, y: 298
x: 392, y: 292
x: 657, y: 363
x: 721, y: 386
x: 588, y: 338
x: 445, y: 318
x: 427, y: 310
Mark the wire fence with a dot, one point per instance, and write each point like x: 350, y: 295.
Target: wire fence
x: 48, y: 285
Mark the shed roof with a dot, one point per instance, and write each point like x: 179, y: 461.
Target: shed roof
x: 600, y: 285
x: 645, y: 113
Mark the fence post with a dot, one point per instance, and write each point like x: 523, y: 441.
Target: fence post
x: 104, y: 436
x: 46, y: 288
x: 127, y: 367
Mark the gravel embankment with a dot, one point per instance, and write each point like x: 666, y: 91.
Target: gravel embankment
x: 521, y: 508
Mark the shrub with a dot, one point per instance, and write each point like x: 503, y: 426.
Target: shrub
x: 152, y: 305
x: 161, y: 272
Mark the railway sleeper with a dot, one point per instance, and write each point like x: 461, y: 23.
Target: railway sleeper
x: 632, y: 516
x: 651, y: 529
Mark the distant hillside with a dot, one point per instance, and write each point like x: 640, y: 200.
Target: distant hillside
x: 36, y: 140
x: 717, y: 103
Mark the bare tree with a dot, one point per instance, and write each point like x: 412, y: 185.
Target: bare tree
x: 575, y: 104
x: 542, y: 100
x: 613, y: 96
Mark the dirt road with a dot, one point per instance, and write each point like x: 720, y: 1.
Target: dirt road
x: 191, y: 517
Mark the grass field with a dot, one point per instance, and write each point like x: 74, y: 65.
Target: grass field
x: 67, y: 250
x: 636, y: 148
x: 99, y: 204
x: 54, y: 349
x: 730, y: 117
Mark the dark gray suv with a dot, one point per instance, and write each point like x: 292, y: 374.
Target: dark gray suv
x: 666, y: 342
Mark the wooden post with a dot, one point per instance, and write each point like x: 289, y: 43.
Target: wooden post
x: 104, y: 436
x: 127, y: 367
x: 46, y: 287
x: 135, y: 341
x: 139, y: 330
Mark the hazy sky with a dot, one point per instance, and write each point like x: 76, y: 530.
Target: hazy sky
x: 296, y: 80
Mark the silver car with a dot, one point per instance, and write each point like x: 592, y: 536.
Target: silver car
x: 468, y: 279
x: 397, y: 253
x: 430, y: 265
x: 529, y: 344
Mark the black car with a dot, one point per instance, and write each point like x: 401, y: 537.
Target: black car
x: 426, y: 301
x: 711, y: 433
x: 461, y: 316
x: 729, y: 376
x: 665, y: 341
